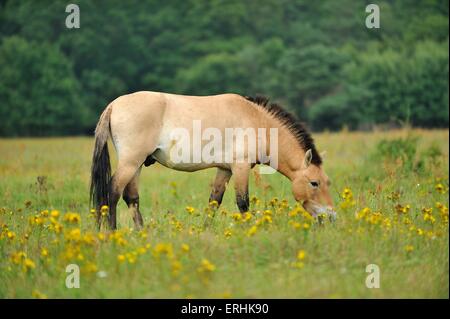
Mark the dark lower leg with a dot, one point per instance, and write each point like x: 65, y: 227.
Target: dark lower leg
x: 216, y: 196
x: 220, y: 184
x: 241, y: 174
x: 131, y: 197
x: 124, y: 174
x: 242, y: 202
x: 98, y: 218
x: 112, y: 218
x: 133, y: 203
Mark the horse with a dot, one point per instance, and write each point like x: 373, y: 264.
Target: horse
x: 141, y: 127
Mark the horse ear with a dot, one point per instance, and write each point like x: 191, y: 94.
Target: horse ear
x: 308, y: 158
x: 323, y: 154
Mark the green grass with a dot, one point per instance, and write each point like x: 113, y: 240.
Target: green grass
x: 262, y: 265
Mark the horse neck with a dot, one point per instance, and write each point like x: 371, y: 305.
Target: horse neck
x: 290, y: 160
x: 290, y: 154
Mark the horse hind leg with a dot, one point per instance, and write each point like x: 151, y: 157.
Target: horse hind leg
x: 126, y: 170
x: 131, y: 198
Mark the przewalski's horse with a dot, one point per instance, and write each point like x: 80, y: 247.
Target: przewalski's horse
x: 141, y: 126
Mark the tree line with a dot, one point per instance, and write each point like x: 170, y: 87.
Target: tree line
x: 316, y: 58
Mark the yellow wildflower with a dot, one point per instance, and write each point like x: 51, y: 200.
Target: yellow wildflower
x: 38, y: 295
x: 284, y: 204
x: 176, y: 267
x: 54, y: 213
x: 227, y: 233
x: 11, y: 235
x: 131, y: 257
x: 363, y: 213
x: 246, y: 216
x: 101, y: 236
x: 214, y: 204
x: 267, y: 219
x: 301, y: 254
x: 252, y: 230
x: 163, y: 249
x: 73, y: 218
x: 273, y: 202
x: 73, y: 235
x: 298, y: 264
x: 254, y: 200
x: 90, y: 267
x: 206, y: 266
x: 347, y: 197
x: 44, y: 253
x: 141, y: 250
x: 89, y: 239
x: 28, y: 264
x: 267, y: 212
x: 104, y: 211
x: 18, y: 257
x: 237, y: 216
x: 409, y: 248
x: 402, y: 209
x: 293, y: 213
x: 440, y: 188
x: 295, y: 225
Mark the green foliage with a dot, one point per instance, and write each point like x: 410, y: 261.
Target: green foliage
x: 399, y: 149
x: 315, y: 58
x: 432, y: 157
x: 39, y: 92
x: 390, y: 87
x: 309, y: 74
x: 404, y: 153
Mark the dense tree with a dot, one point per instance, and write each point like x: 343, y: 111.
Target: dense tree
x: 39, y: 94
x: 315, y: 57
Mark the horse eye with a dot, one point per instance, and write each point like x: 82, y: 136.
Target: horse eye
x: 314, y: 184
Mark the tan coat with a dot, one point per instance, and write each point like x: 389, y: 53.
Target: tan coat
x: 142, y: 127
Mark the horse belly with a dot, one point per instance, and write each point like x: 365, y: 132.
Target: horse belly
x: 164, y: 158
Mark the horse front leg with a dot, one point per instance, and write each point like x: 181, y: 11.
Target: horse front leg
x: 241, y: 173
x: 220, y: 185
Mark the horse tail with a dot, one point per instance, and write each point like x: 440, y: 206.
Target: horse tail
x: 101, y: 166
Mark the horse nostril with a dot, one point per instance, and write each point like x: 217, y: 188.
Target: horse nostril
x: 314, y: 184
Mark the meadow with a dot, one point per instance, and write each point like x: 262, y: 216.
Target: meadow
x: 390, y: 190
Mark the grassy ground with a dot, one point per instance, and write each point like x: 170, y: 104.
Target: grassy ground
x: 190, y: 250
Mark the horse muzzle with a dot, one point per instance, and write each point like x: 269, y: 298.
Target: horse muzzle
x: 317, y: 210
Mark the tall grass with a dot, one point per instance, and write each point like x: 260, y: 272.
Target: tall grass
x: 391, y: 193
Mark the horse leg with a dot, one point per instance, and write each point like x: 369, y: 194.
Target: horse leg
x: 241, y: 173
x: 220, y: 184
x: 125, y: 172
x: 131, y: 197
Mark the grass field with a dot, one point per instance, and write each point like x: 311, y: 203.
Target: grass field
x: 391, y: 200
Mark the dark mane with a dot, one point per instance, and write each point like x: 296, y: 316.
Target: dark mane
x: 297, y: 128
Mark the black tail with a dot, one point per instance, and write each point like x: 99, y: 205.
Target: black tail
x: 101, y: 167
